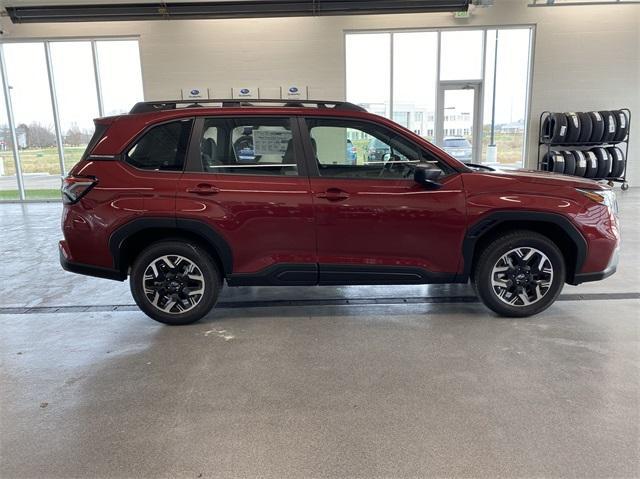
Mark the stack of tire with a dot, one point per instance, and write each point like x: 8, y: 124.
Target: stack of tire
x: 602, y: 128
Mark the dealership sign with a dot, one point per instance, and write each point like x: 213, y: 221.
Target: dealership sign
x: 195, y: 93
x: 293, y: 92
x: 245, y: 92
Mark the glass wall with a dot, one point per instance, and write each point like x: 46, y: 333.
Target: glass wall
x: 33, y: 118
x: 415, y: 57
x: 368, y: 71
x: 76, y: 95
x: 55, y: 96
x: 8, y: 177
x: 440, y: 85
x: 120, y: 91
x: 510, y: 62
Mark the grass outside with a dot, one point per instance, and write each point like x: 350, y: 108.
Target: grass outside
x: 41, y: 160
x: 509, y: 146
x: 46, y: 194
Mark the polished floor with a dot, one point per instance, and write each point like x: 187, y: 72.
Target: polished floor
x: 312, y: 382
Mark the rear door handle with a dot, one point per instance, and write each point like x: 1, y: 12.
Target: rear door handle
x: 204, y: 189
x: 334, y: 194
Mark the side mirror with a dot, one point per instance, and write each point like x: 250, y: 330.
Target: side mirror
x: 427, y: 177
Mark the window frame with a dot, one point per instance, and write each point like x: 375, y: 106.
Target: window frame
x: 312, y: 163
x: 194, y: 158
x: 122, y: 156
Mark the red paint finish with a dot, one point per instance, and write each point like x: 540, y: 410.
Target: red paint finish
x: 270, y: 220
x: 266, y: 219
x: 390, y: 222
x: 547, y: 193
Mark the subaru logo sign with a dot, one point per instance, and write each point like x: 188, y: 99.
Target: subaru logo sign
x: 195, y: 92
x: 244, y: 91
x: 293, y: 89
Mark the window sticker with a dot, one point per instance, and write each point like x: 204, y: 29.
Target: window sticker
x: 271, y: 142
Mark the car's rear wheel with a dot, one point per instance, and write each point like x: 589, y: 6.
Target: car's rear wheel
x: 175, y: 282
x: 519, y: 274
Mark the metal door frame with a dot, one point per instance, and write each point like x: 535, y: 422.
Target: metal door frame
x: 476, y: 86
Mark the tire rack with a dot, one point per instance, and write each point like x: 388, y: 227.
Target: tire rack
x: 584, y: 146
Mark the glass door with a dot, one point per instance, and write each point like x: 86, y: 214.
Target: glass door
x: 458, y: 120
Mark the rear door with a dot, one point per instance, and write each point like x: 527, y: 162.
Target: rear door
x: 374, y: 223
x: 246, y: 179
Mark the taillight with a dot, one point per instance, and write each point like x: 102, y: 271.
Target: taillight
x: 75, y: 187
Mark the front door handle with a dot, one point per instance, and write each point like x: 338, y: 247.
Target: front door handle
x: 204, y: 189
x: 333, y: 194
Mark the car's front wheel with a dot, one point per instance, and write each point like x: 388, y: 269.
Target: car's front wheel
x: 519, y: 274
x: 175, y: 282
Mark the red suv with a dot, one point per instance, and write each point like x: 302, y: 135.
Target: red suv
x: 183, y: 197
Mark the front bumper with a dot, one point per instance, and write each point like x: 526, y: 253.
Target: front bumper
x: 599, y: 275
x: 86, y: 269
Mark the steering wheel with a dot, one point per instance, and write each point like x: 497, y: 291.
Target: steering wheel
x: 388, y: 160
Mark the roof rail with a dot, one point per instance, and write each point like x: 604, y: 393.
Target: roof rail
x: 148, y: 106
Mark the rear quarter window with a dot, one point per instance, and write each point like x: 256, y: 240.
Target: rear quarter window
x: 99, y: 132
x: 161, y: 148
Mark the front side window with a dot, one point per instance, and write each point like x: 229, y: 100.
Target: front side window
x: 262, y: 146
x: 352, y: 149
x: 162, y: 148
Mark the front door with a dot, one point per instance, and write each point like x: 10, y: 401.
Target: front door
x: 458, y: 120
x: 246, y: 180
x: 374, y: 223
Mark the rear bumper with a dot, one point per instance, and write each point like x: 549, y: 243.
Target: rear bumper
x: 599, y: 275
x: 86, y: 269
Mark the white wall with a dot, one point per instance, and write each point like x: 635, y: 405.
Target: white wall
x: 586, y: 57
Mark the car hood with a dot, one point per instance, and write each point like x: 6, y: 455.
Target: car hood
x: 545, y: 177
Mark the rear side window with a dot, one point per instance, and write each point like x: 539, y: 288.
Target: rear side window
x: 248, y: 146
x: 162, y: 148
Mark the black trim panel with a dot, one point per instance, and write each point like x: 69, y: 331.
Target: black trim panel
x: 346, y: 274
x: 224, y: 9
x: 90, y: 270
x: 479, y: 229
x: 199, y: 228
x: 337, y: 274
x: 588, y: 277
x: 278, y: 275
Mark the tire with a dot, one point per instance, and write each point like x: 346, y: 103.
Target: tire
x: 554, y: 162
x: 592, y: 164
x: 498, y: 289
x: 597, y: 127
x: 179, y: 252
x: 573, y: 127
x: 617, y: 161
x: 569, y: 163
x: 581, y: 163
x: 554, y: 128
x: 586, y: 127
x: 622, y: 123
x: 604, y: 162
x: 610, y: 126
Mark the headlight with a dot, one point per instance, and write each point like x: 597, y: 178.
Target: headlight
x: 604, y: 197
